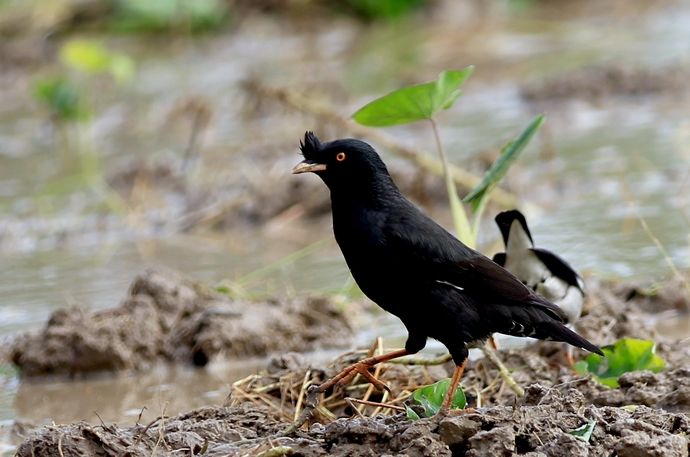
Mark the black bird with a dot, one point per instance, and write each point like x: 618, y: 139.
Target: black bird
x: 413, y: 268
x: 542, y: 271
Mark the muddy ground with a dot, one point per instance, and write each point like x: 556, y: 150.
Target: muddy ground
x: 169, y: 318
x: 646, y: 416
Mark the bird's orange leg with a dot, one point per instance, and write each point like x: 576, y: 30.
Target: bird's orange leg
x: 569, y: 356
x: 454, y: 381
x: 362, y: 367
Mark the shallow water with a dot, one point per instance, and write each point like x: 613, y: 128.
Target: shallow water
x: 601, y: 163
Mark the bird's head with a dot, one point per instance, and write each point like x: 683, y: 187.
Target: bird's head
x: 345, y: 163
x: 505, y: 221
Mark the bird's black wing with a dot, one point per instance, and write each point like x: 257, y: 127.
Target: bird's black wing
x: 415, y: 243
x: 559, y: 267
x: 418, y: 243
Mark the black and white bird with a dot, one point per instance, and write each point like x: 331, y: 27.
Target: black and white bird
x: 542, y: 271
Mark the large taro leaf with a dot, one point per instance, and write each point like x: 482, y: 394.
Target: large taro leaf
x: 627, y: 354
x: 414, y: 103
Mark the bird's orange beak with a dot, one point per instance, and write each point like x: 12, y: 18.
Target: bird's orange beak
x: 306, y: 166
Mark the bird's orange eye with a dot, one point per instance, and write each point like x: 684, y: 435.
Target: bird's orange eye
x: 340, y: 156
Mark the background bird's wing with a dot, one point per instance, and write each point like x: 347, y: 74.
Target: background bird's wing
x: 500, y: 258
x: 558, y: 267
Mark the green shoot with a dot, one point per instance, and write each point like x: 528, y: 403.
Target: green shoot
x: 626, y: 355
x: 430, y: 398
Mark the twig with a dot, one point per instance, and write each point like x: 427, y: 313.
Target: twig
x: 503, y: 371
x: 300, y: 397
x: 60, y: 446
x: 375, y: 403
x: 146, y: 429
x: 141, y: 413
x: 161, y: 433
x: 350, y: 401
x: 667, y: 257
x: 378, y: 345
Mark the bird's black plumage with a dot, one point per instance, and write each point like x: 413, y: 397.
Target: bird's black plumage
x: 413, y: 268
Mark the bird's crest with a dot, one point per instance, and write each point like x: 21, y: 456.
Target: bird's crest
x: 311, y: 146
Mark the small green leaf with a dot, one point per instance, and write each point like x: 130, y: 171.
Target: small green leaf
x: 411, y: 414
x: 499, y: 168
x: 169, y: 15
x: 430, y: 397
x: 383, y: 9
x: 91, y: 57
x: 584, y: 433
x: 61, y: 97
x: 626, y: 355
x: 85, y: 55
x: 223, y: 289
x: 414, y: 103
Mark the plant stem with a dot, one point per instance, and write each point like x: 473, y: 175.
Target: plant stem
x: 502, y: 371
x: 460, y: 221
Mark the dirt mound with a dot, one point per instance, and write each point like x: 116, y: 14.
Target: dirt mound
x: 169, y: 318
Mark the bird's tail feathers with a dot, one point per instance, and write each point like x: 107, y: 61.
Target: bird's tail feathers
x: 544, y: 323
x: 559, y: 332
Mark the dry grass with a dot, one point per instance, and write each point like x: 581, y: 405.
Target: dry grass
x: 285, y: 393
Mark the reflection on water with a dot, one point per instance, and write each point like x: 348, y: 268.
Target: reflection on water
x: 121, y: 399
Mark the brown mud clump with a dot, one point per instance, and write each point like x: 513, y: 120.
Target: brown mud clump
x: 170, y: 318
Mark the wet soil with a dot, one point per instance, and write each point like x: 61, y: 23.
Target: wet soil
x: 595, y: 83
x: 646, y: 416
x: 169, y: 318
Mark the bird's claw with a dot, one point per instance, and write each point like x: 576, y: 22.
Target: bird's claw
x: 362, y: 369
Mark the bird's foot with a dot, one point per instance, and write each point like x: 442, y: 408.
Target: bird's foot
x: 362, y: 368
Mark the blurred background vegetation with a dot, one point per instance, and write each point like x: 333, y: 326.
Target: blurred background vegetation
x: 162, y: 132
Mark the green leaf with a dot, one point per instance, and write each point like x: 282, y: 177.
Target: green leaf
x: 414, y: 103
x: 411, y: 414
x: 85, y: 55
x: 223, y: 289
x: 430, y: 397
x: 585, y: 432
x: 626, y: 355
x: 383, y: 9
x: 62, y: 97
x: 91, y: 57
x: 499, y: 168
x: 169, y: 15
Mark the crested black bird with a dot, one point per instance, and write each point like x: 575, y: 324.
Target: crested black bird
x: 542, y: 271
x: 413, y: 268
